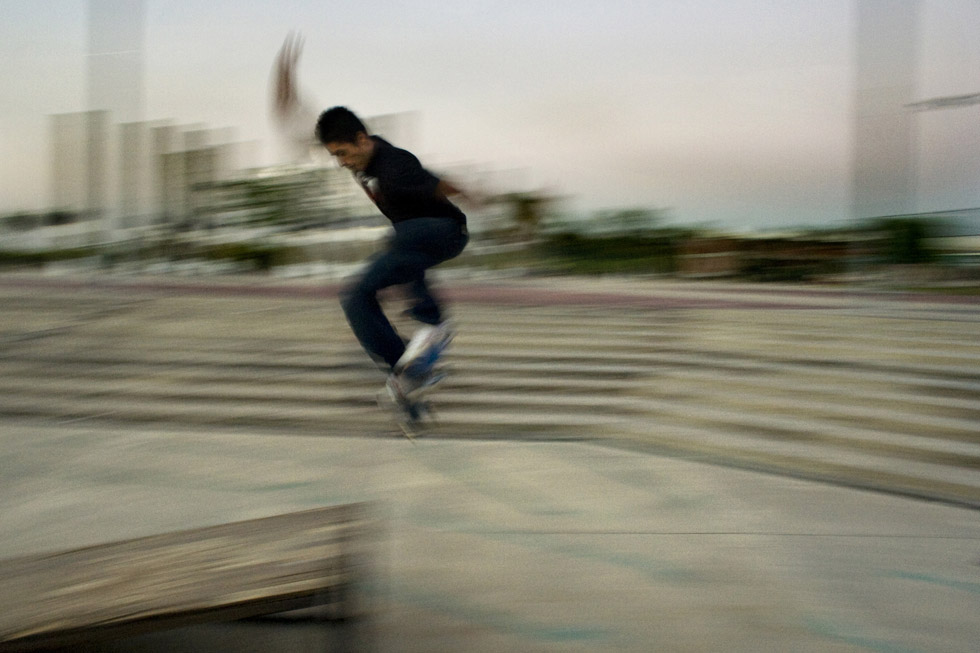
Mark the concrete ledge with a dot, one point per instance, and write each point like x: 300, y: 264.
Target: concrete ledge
x: 232, y: 571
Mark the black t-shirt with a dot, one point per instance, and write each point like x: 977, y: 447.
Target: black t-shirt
x: 402, y: 188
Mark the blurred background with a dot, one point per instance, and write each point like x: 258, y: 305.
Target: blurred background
x: 774, y: 141
x: 831, y: 142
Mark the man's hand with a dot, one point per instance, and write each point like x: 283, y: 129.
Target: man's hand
x: 285, y: 95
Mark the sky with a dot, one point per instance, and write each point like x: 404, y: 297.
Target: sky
x: 733, y: 113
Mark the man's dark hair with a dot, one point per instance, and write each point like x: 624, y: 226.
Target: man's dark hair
x: 338, y: 125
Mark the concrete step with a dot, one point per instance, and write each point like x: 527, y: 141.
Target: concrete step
x: 855, y: 396
x: 933, y: 438
x: 840, y: 466
x: 841, y: 390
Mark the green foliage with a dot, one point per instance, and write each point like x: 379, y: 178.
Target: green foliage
x: 776, y: 270
x: 650, y: 253
x: 278, y: 200
x: 621, y: 241
x: 256, y: 257
x: 631, y: 221
x: 22, y: 221
x: 259, y: 257
x: 903, y: 240
x: 37, y: 258
x: 527, y: 211
x: 58, y: 218
x: 27, y: 221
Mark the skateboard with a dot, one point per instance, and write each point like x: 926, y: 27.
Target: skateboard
x: 414, y: 412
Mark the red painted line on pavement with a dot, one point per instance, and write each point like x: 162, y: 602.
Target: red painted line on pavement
x: 460, y: 293
x: 489, y: 294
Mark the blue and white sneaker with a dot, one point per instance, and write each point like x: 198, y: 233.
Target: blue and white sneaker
x: 423, y: 351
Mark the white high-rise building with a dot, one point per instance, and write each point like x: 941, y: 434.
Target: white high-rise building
x: 115, y: 58
x: 887, y: 55
x: 114, y: 69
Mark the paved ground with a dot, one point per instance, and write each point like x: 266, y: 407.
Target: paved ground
x: 496, y: 538
x: 510, y: 546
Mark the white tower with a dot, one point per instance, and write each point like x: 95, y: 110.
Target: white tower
x: 115, y: 58
x: 115, y: 88
x: 887, y: 53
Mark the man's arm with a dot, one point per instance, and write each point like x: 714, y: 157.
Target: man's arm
x: 407, y: 179
x: 292, y: 116
x: 447, y: 189
x: 285, y: 96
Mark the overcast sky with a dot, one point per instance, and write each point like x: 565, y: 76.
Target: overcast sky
x: 731, y: 112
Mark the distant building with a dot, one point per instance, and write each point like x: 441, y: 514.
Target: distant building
x: 79, y: 163
x: 115, y: 58
x: 887, y: 43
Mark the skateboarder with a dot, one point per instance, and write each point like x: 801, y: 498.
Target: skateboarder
x: 428, y: 229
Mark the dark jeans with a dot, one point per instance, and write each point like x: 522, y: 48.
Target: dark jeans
x: 417, y: 245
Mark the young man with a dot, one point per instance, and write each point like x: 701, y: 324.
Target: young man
x: 428, y: 229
